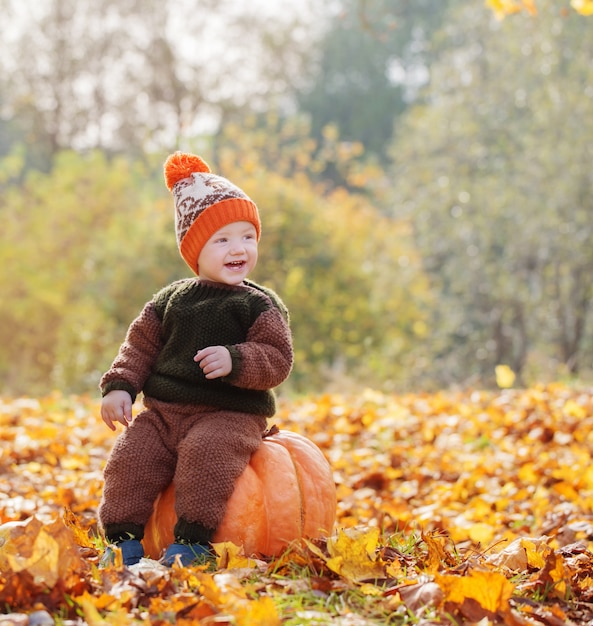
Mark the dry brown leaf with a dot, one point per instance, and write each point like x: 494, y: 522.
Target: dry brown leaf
x: 521, y: 554
x: 420, y: 595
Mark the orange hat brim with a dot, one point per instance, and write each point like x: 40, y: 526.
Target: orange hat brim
x: 212, y: 219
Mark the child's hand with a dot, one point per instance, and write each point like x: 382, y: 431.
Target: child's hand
x: 215, y: 361
x: 116, y: 407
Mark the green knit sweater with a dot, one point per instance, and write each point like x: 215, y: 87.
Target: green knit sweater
x: 188, y: 315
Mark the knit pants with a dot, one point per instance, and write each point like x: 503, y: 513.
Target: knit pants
x: 201, y: 449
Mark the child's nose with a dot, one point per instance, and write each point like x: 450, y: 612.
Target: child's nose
x: 237, y: 247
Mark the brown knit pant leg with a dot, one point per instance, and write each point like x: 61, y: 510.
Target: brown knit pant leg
x: 139, y: 467
x: 211, y: 456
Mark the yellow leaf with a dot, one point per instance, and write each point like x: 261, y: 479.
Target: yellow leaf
x: 528, y: 474
x: 505, y: 377
x: 230, y: 556
x: 90, y: 611
x: 491, y: 590
x: 92, y: 606
x: 572, y: 408
x: 225, y: 591
x: 584, y: 7
x: 352, y: 554
x: 481, y: 533
x: 536, y: 553
x: 502, y: 8
x: 262, y: 612
x: 370, y: 590
x: 221, y: 589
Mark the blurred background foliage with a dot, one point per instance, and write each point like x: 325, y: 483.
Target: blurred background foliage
x: 423, y: 171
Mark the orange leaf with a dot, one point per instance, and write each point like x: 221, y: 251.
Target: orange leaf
x: 81, y: 536
x: 553, y: 576
x: 47, y: 553
x: 479, y: 594
x: 437, y: 554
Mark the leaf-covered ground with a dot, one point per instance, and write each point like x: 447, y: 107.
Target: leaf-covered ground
x: 453, y: 508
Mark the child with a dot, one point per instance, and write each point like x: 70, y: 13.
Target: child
x: 206, y: 352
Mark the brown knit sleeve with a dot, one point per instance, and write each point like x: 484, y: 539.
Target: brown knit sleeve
x: 136, y: 355
x: 265, y: 359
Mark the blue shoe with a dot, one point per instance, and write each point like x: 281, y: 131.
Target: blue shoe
x: 131, y: 552
x: 187, y: 553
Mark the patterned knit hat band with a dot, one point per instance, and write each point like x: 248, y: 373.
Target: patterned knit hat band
x: 204, y: 203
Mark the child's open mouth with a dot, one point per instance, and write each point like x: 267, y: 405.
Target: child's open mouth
x: 235, y: 265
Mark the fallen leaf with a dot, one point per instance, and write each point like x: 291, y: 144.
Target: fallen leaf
x: 420, y: 595
x: 478, y: 595
x: 352, y: 554
x: 230, y: 556
x: 521, y: 554
x: 505, y: 377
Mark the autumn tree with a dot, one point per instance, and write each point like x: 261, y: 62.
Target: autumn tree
x: 75, y: 245
x: 369, y: 64
x: 494, y: 171
x: 139, y: 75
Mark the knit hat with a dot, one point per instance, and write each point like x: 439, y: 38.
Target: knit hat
x: 204, y: 203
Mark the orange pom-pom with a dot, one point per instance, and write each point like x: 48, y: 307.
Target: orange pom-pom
x: 180, y: 165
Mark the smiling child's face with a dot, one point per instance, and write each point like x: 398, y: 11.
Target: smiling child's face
x: 230, y: 254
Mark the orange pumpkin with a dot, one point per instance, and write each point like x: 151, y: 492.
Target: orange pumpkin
x: 285, y: 493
